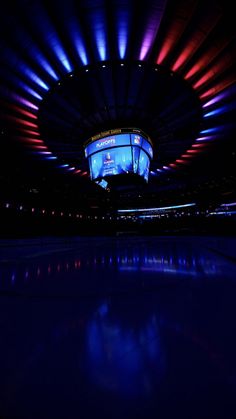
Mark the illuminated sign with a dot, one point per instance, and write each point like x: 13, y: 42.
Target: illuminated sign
x: 108, y: 142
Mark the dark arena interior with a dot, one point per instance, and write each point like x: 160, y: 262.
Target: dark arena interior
x: 118, y: 209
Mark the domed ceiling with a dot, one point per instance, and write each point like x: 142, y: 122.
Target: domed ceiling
x: 71, y: 69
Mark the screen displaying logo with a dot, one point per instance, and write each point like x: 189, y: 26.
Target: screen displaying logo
x: 107, y: 142
x: 119, y: 154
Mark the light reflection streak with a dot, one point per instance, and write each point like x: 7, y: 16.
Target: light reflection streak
x: 152, y: 27
x: 24, y: 101
x: 195, y: 39
x: 132, y: 261
x: 122, y: 31
x: 77, y: 40
x: 99, y: 29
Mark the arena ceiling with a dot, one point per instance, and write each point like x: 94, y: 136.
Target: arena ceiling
x: 71, y: 69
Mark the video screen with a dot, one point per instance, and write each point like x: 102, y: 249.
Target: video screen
x: 103, y: 183
x: 113, y: 161
x: 119, y: 154
x: 144, y: 162
x: 112, y: 141
x: 136, y: 153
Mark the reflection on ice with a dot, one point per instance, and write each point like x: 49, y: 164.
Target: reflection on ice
x: 118, y: 354
x: 118, y: 327
x: 166, y: 261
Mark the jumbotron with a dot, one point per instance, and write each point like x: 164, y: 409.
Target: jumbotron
x: 122, y: 153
